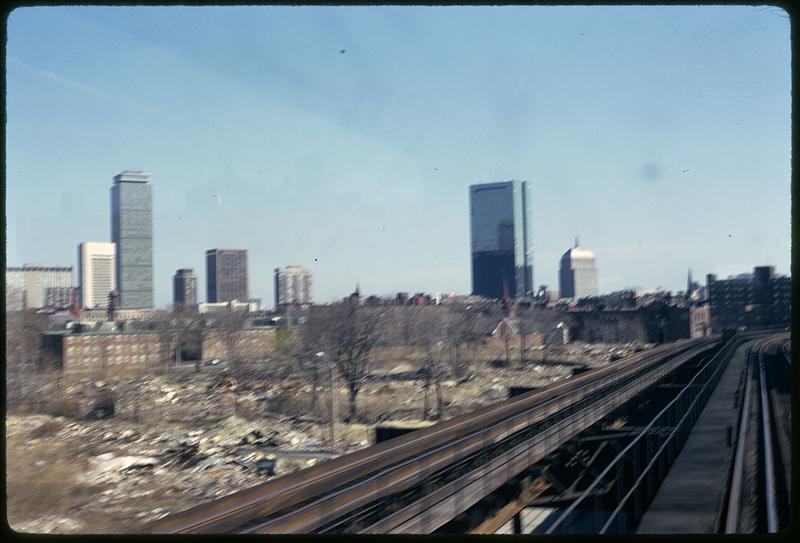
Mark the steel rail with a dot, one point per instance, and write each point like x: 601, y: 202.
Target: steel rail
x: 766, y: 436
x: 735, y: 495
x: 334, y: 505
x: 274, y: 496
x: 734, y: 499
x: 244, y: 505
x: 521, y: 457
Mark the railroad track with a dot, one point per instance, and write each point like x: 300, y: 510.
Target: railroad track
x: 759, y: 491
x: 411, y: 483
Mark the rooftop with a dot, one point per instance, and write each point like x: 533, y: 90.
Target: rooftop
x: 579, y: 252
x: 132, y: 176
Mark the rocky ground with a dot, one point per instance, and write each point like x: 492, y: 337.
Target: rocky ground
x: 181, y: 439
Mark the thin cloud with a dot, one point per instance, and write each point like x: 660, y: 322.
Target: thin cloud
x: 82, y: 86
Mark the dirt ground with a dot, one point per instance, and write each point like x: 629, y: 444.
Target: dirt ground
x: 181, y: 439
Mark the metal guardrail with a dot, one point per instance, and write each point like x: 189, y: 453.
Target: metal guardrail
x: 625, y: 516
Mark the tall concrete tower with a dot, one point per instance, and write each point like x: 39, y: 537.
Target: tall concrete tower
x: 132, y: 232
x: 578, y: 273
x: 292, y: 286
x: 96, y: 273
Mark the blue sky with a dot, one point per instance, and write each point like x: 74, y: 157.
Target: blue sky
x: 344, y: 139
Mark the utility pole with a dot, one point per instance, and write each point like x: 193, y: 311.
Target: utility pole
x: 332, y: 403
x: 333, y: 409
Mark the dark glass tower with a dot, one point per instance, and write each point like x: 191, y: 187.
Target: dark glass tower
x: 132, y: 231
x: 226, y: 275
x: 184, y: 287
x: 501, y: 236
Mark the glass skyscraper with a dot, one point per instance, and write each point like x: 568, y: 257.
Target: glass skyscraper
x: 132, y: 231
x: 502, y: 241
x: 226, y: 275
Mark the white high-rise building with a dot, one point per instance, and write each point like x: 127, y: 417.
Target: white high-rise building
x: 32, y: 286
x: 292, y: 286
x: 578, y: 273
x: 96, y: 272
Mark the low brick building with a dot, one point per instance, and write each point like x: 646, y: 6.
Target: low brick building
x: 249, y: 345
x: 95, y: 351
x: 654, y: 323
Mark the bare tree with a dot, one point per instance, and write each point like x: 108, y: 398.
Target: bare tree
x: 452, y: 324
x: 506, y: 334
x: 550, y: 336
x: 23, y: 354
x: 306, y: 341
x: 473, y: 324
x: 164, y: 326
x: 229, y: 324
x: 348, y: 333
x: 525, y: 327
x: 428, y: 332
x: 188, y: 334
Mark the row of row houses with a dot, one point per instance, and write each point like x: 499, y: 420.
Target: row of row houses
x: 90, y: 351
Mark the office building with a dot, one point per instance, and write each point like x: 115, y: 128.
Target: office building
x: 501, y: 239
x: 292, y: 286
x: 184, y: 287
x: 578, y: 273
x: 758, y: 299
x: 226, y: 275
x: 97, y: 275
x: 58, y: 297
x: 27, y: 286
x: 227, y: 307
x: 132, y: 232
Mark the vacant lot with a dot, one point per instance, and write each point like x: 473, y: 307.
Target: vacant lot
x: 181, y: 439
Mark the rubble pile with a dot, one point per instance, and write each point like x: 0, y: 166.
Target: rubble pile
x: 131, y: 450
x: 165, y: 446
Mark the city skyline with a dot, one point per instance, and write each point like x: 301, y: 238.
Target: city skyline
x: 367, y: 181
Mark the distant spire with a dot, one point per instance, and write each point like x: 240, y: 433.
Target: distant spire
x: 358, y: 290
x: 576, y: 241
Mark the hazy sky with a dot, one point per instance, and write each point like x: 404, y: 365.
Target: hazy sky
x: 345, y: 139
